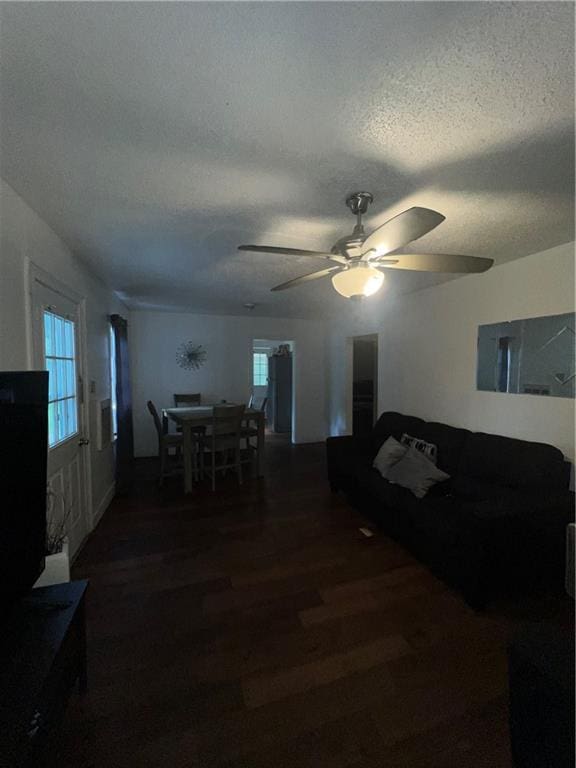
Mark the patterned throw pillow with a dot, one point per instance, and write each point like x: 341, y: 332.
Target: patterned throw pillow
x: 428, y: 449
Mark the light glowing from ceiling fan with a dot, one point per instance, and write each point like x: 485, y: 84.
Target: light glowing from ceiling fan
x: 358, y: 281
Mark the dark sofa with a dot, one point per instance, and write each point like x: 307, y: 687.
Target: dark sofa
x: 496, y: 527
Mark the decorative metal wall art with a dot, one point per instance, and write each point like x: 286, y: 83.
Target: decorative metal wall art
x: 190, y: 356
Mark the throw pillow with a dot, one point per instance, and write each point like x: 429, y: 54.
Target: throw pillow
x: 415, y: 472
x: 390, y: 452
x: 428, y: 449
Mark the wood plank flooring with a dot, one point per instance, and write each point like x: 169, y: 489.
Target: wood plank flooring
x: 257, y: 627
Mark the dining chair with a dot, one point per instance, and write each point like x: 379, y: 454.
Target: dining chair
x: 248, y: 428
x: 181, y: 401
x: 223, y: 442
x: 257, y: 403
x: 166, y: 441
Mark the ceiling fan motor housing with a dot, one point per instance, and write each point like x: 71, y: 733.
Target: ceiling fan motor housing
x: 350, y: 246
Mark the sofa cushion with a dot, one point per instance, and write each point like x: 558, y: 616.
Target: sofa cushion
x: 385, y: 494
x: 449, y: 442
x: 469, y: 488
x: 416, y: 472
x: 512, y: 463
x: 454, y: 542
x: 389, y: 454
x: 447, y: 519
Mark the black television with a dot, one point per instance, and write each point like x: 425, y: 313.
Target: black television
x: 23, y: 459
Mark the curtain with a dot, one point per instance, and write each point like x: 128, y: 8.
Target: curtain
x: 125, y: 437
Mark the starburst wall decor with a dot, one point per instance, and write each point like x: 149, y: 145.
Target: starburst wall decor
x: 190, y: 356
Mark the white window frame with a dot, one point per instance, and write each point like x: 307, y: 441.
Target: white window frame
x: 257, y: 365
x: 55, y: 357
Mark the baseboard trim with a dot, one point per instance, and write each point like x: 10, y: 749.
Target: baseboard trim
x: 104, y: 504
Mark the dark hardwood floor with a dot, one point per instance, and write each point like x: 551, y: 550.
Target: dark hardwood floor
x: 257, y: 627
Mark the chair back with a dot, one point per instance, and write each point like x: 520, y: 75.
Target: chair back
x: 257, y: 403
x: 184, y: 400
x: 227, y: 422
x: 156, y: 417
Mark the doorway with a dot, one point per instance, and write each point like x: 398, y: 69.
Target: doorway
x: 58, y: 347
x: 272, y: 383
x: 364, y: 384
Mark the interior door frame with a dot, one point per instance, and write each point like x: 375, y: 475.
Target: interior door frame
x: 373, y: 337
x: 264, y: 337
x: 36, y: 274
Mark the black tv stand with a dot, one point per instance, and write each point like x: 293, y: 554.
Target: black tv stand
x: 42, y: 656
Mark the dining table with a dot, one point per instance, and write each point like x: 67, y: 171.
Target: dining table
x: 188, y: 417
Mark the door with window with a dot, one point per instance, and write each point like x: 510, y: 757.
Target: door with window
x: 58, y: 348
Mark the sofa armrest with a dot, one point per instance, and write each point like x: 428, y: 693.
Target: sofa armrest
x: 343, y: 455
x: 346, y: 446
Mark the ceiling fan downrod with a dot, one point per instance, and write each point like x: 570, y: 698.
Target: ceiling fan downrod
x: 358, y: 203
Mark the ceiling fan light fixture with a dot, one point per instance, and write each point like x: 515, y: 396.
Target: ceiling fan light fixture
x: 354, y: 276
x: 358, y: 281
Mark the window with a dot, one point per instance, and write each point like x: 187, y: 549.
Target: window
x: 113, y: 403
x: 260, y: 378
x: 59, y: 356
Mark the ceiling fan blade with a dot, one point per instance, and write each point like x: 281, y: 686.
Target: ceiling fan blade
x: 306, y: 278
x: 435, y: 262
x: 402, y: 229
x: 293, y: 252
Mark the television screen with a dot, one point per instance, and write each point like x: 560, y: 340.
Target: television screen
x: 23, y: 456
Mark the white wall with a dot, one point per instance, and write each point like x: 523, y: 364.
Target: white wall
x: 227, y: 373
x: 25, y: 238
x: 427, y: 350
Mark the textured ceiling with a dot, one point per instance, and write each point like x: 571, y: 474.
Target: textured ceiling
x: 156, y: 137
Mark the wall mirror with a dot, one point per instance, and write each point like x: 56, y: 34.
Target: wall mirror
x: 532, y: 357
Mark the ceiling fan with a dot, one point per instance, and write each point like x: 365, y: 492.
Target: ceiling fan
x: 359, y: 258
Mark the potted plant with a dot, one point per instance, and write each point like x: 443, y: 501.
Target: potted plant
x: 57, y: 562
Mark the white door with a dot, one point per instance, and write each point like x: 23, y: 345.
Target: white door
x: 58, y: 348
